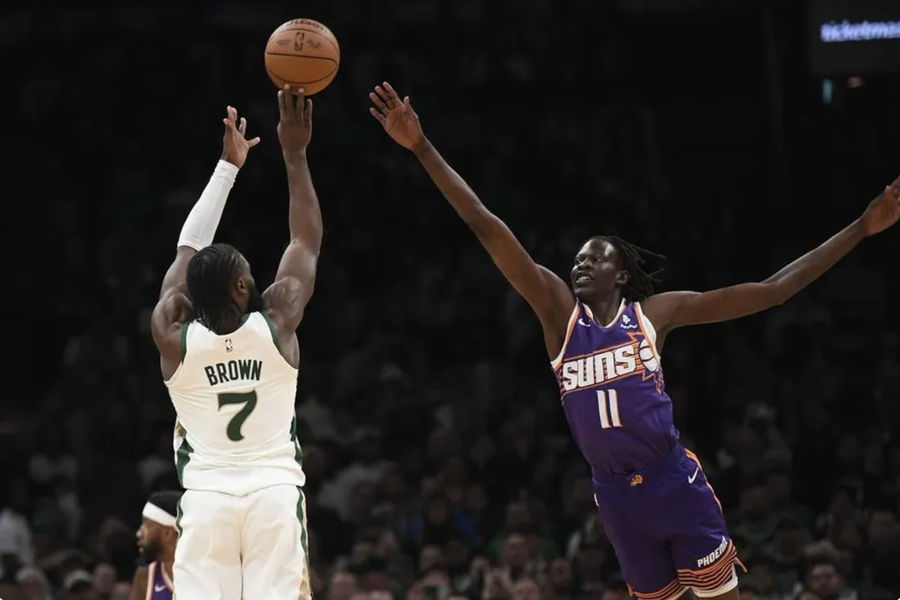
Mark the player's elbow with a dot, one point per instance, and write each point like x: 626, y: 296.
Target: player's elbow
x: 485, y: 224
x: 775, y: 293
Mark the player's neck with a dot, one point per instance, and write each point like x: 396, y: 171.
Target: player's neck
x: 166, y: 559
x: 605, y: 309
x: 229, y: 323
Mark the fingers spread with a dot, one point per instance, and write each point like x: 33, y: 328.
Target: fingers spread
x: 243, y: 126
x: 253, y: 142
x: 385, y: 97
x: 378, y: 102
x: 378, y: 116
x: 392, y: 94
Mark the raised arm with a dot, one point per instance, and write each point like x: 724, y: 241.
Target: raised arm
x: 286, y: 299
x: 173, y: 307
x: 674, y: 309
x: 548, y: 295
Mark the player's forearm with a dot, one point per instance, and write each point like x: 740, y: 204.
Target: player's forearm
x: 809, y: 267
x: 455, y: 189
x: 304, y: 214
x: 200, y: 226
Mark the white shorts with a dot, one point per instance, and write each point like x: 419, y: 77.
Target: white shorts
x: 251, y: 546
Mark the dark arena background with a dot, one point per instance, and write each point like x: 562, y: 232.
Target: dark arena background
x: 731, y: 136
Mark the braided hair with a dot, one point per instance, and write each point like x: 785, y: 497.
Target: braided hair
x: 210, y: 275
x: 634, y: 258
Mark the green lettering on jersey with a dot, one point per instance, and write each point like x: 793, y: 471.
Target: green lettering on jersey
x: 237, y: 421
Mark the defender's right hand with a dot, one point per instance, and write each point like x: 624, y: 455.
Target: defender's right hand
x: 295, y: 126
x: 397, y: 117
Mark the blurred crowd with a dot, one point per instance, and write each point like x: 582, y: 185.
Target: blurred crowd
x: 438, y: 460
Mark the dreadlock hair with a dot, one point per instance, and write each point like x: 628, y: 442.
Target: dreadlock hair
x: 640, y: 279
x: 210, y: 275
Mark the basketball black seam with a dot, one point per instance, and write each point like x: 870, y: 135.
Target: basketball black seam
x: 337, y: 48
x: 300, y: 56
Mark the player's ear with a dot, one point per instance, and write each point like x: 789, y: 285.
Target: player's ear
x: 622, y: 277
x: 241, y: 286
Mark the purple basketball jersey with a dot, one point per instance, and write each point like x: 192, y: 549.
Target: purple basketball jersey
x: 658, y: 510
x: 159, y: 586
x: 611, y: 383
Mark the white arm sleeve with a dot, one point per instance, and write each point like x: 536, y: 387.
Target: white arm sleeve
x: 203, y: 220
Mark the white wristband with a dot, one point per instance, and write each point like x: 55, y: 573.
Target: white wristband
x: 203, y: 220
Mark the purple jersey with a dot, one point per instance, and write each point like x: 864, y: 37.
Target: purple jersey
x: 611, y: 383
x: 159, y: 586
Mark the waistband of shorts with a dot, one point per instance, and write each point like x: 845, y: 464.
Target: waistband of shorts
x: 663, y: 464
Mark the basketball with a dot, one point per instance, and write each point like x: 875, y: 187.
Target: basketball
x: 302, y: 53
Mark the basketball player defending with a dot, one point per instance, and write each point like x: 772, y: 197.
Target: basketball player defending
x: 657, y: 508
x: 229, y: 357
x: 156, y: 539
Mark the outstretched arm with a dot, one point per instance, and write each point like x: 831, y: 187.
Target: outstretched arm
x: 674, y: 309
x: 286, y: 299
x: 173, y: 306
x: 548, y: 295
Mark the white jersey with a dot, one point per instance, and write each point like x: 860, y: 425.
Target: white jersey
x: 234, y: 397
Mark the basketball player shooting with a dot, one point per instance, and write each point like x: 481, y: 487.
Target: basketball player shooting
x: 603, y: 336
x: 229, y: 356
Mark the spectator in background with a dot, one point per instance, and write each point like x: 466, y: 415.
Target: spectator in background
x: 342, y: 586
x: 526, y: 589
x: 104, y: 580
x: 15, y: 534
x: 881, y: 558
x: 616, y: 589
x: 824, y: 580
x: 34, y: 584
x: 559, y: 581
x: 78, y: 585
x: 440, y: 523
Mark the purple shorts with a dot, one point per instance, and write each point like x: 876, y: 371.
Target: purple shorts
x: 667, y: 529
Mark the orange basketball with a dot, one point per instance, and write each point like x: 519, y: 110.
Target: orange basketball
x: 302, y: 53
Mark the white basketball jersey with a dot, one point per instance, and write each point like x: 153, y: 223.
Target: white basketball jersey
x: 234, y: 396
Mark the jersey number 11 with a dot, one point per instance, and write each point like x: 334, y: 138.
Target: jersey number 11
x: 608, y: 403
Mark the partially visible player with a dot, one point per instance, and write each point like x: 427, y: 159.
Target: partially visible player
x: 603, y: 337
x: 156, y: 539
x: 229, y: 356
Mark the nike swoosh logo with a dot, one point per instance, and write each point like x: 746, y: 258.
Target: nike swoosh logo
x: 694, y: 476
x: 582, y: 323
x: 159, y: 588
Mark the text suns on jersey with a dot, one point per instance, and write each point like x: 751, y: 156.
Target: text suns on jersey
x: 608, y: 364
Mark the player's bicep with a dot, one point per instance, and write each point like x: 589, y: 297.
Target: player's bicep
x: 285, y: 302
x: 176, y: 275
x: 542, y: 289
x: 172, y: 310
x: 298, y: 262
x: 676, y: 309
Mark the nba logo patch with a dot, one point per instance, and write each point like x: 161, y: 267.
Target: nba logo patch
x: 228, y: 345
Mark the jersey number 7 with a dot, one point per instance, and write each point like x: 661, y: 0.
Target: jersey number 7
x: 248, y: 399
